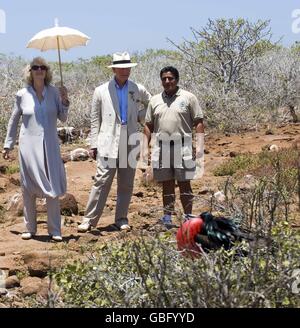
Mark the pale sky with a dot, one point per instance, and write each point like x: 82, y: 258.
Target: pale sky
x: 131, y: 25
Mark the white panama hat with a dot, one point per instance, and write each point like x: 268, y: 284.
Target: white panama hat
x: 122, y: 60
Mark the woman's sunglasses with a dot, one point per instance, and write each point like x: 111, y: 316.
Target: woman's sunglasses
x: 37, y: 67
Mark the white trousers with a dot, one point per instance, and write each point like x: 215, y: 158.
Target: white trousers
x: 100, y: 190
x: 106, y: 170
x: 30, y: 214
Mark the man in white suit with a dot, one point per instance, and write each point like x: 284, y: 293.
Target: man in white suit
x: 117, y: 107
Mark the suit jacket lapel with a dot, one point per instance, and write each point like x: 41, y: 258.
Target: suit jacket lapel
x: 114, y: 98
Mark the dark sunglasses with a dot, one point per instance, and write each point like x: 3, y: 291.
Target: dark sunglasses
x: 37, y: 67
x: 164, y: 79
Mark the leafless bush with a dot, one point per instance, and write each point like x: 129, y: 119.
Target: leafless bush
x: 150, y: 64
x: 150, y: 272
x: 81, y: 78
x: 11, y: 74
x: 274, y: 81
x: 270, y: 82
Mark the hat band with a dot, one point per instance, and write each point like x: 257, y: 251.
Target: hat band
x: 122, y: 62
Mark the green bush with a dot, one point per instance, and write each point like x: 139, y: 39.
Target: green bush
x: 261, y: 164
x: 12, y: 169
x: 150, y: 272
x: 234, y: 165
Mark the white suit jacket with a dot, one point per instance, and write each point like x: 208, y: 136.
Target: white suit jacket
x: 106, y: 120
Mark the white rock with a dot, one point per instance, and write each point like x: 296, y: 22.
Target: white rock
x: 14, y: 201
x: 3, y: 291
x: 79, y: 154
x: 3, y: 277
x: 219, y: 196
x: 274, y: 148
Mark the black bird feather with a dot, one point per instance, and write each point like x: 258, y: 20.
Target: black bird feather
x: 220, y: 232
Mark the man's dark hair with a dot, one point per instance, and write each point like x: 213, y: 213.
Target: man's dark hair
x: 171, y: 69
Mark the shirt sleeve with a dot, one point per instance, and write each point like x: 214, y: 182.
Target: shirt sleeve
x: 149, y: 114
x: 196, y: 110
x: 12, y: 127
x: 145, y: 98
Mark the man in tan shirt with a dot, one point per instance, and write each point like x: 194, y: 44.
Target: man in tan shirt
x: 170, y: 119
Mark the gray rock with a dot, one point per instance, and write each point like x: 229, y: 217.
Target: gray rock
x: 3, y: 168
x: 3, y: 291
x: 41, y: 262
x: 31, y: 286
x: 68, y: 205
x: 233, y: 154
x: 204, y: 191
x: 15, y: 205
x: 69, y: 134
x: 12, y: 282
x: 3, y: 184
x: 139, y: 194
x: 11, y: 264
x: 45, y: 288
x: 79, y: 154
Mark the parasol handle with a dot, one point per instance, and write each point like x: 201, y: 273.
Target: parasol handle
x: 59, y: 58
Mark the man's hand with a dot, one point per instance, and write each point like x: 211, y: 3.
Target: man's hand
x: 93, y: 153
x: 148, y: 175
x: 144, y: 162
x: 5, y: 153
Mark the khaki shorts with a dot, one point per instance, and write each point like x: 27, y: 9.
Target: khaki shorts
x: 169, y: 171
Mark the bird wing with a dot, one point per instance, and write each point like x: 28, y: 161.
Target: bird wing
x: 220, y: 231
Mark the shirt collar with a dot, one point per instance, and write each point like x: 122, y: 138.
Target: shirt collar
x: 175, y: 94
x: 118, y: 86
x: 33, y: 91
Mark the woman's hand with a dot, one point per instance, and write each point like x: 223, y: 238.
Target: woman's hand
x: 64, y: 95
x: 5, y: 153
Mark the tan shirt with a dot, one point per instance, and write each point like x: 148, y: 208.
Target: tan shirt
x: 173, y: 118
x: 174, y: 115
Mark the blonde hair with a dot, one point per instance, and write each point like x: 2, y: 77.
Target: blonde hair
x: 27, y: 71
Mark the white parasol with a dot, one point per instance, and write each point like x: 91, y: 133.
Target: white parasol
x: 58, y: 37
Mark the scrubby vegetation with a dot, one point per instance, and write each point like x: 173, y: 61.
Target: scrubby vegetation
x: 149, y: 271
x: 11, y: 169
x: 257, y: 163
x: 240, y: 75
